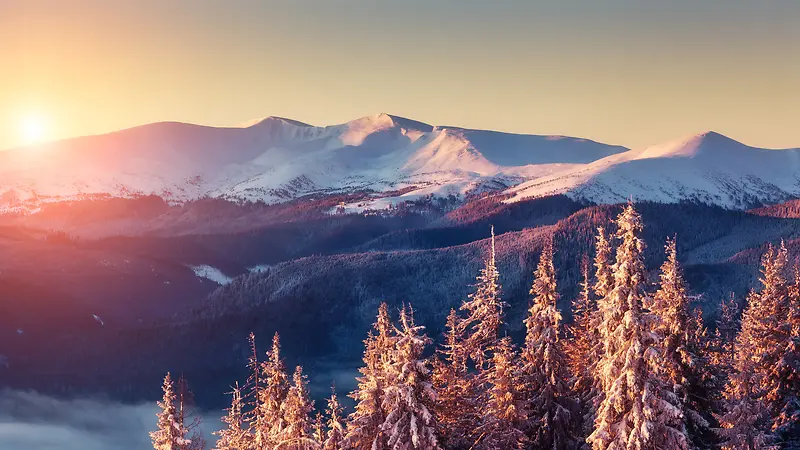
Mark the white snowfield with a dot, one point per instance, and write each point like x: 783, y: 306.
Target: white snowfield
x: 708, y: 167
x: 276, y: 160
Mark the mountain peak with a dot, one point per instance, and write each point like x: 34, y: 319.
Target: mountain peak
x: 384, y: 120
x: 272, y: 120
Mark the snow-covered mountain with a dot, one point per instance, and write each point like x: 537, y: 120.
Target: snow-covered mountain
x: 397, y: 159
x: 708, y: 167
x: 278, y: 159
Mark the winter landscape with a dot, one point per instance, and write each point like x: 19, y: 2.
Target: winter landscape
x: 575, y: 227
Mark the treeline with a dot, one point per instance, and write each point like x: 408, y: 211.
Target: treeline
x: 637, y: 369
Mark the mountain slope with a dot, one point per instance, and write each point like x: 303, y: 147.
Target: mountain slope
x: 277, y: 159
x: 709, y: 167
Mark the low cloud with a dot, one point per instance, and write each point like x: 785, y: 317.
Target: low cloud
x: 31, y: 421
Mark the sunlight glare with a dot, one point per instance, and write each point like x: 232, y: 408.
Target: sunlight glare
x: 32, y: 129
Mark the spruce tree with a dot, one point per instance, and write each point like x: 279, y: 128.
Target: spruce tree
x: 582, y: 338
x: 409, y: 394
x: 544, y: 364
x: 636, y: 412
x: 273, y: 396
x: 456, y: 392
x: 234, y: 436
x: 170, y: 433
x: 581, y: 351
x: 681, y: 337
x: 484, y: 309
x: 504, y: 416
x: 746, y: 419
x: 336, y: 432
x: 364, y: 424
x: 320, y: 434
x: 253, y: 412
x: 296, y: 413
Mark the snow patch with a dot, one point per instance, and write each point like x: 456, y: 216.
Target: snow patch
x: 211, y: 273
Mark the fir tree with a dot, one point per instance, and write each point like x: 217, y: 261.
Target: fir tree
x: 320, y: 433
x: 409, y: 423
x: 544, y: 367
x: 504, y: 413
x: 336, y: 432
x: 603, y: 259
x: 296, y: 412
x: 746, y: 419
x: 170, y: 433
x: 235, y: 435
x: 636, y: 412
x: 456, y: 407
x: 364, y: 424
x: 582, y: 350
x: 187, y: 417
x: 272, y: 398
x: 484, y: 312
x: 681, y: 344
x: 765, y: 354
x: 582, y: 338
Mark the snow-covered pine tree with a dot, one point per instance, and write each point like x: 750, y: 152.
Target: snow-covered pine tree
x: 336, y: 432
x: 549, y: 402
x: 188, y: 418
x: 764, y: 346
x: 409, y: 394
x: 582, y: 341
x: 319, y: 433
x: 636, y: 412
x: 235, y: 435
x: 582, y: 355
x: 681, y: 336
x: 787, y: 423
x: 504, y: 415
x: 456, y: 391
x: 170, y: 433
x: 603, y: 260
x: 746, y: 420
x: 273, y: 396
x: 484, y: 309
x: 364, y: 424
x: 296, y: 413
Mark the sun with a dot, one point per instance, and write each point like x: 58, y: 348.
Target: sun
x: 32, y: 129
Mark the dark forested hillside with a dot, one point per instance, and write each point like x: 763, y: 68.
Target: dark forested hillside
x: 319, y: 282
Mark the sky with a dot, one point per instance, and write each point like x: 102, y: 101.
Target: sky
x: 629, y: 72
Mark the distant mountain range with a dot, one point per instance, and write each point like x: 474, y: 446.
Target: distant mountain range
x: 390, y: 159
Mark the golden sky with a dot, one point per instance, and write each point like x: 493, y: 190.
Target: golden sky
x: 630, y: 72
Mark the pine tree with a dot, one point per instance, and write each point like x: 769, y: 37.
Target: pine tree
x: 170, y: 433
x: 234, y: 436
x: 364, y: 424
x: 187, y: 417
x: 455, y: 408
x: 681, y: 344
x: 603, y: 259
x: 320, y: 433
x: 409, y: 394
x: 582, y: 353
x: 544, y: 364
x: 787, y: 373
x: 765, y: 364
x: 582, y: 338
x: 273, y: 396
x: 746, y: 419
x: 504, y: 413
x: 636, y: 412
x: 484, y: 312
x: 336, y: 432
x: 252, y: 410
x: 296, y: 412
